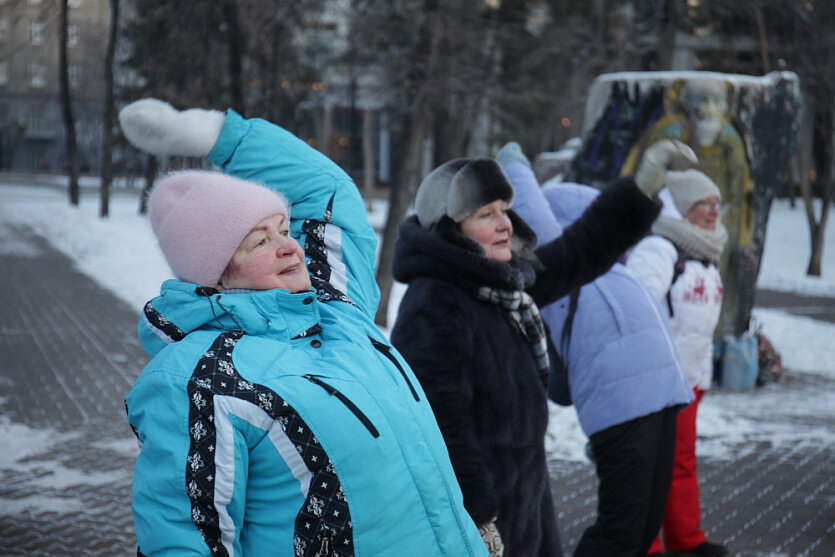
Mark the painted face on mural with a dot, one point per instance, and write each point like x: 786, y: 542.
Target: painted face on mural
x: 706, y: 103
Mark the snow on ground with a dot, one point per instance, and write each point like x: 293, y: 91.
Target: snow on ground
x: 121, y: 254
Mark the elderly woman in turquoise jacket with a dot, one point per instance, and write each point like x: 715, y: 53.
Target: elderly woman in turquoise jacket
x: 274, y: 418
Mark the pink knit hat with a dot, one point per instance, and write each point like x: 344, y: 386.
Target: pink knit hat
x: 201, y: 217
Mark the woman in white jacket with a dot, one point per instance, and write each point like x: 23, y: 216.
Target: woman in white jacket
x: 679, y: 265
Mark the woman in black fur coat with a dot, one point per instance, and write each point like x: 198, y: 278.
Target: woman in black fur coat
x: 470, y: 329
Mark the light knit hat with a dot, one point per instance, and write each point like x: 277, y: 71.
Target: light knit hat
x: 458, y: 187
x: 201, y: 217
x: 688, y: 187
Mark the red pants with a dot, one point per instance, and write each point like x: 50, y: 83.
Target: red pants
x: 681, y: 526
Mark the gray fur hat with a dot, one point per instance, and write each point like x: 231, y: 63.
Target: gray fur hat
x: 458, y: 187
x: 688, y: 187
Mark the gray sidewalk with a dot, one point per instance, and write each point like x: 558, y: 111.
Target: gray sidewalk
x: 69, y: 354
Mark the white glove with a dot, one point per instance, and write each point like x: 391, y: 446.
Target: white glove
x: 157, y: 127
x: 492, y: 539
x: 661, y: 156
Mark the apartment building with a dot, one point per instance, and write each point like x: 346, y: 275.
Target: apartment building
x: 31, y: 122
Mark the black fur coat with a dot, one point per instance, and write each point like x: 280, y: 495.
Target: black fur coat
x: 479, y: 373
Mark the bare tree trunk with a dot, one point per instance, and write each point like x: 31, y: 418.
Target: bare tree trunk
x: 326, y: 131
x: 811, y: 219
x: 599, y: 14
x: 234, y: 41
x: 66, y: 105
x: 402, y: 193
x: 819, y: 231
x: 667, y: 40
x: 790, y: 188
x: 109, y: 111
x: 150, y: 175
x: 804, y: 148
x: 18, y: 128
x: 455, y: 131
x: 369, y: 162
x: 814, y: 268
x: 758, y: 16
x: 401, y: 197
x: 825, y: 162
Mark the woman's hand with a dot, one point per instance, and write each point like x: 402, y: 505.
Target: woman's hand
x: 157, y: 127
x: 492, y: 539
x: 661, y: 156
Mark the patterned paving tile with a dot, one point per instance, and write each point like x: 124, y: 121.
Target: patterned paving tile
x: 68, y: 355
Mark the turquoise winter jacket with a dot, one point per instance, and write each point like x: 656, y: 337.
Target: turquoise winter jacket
x: 273, y: 423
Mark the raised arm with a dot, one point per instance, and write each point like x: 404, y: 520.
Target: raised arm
x: 530, y: 202
x: 611, y: 224
x: 328, y: 213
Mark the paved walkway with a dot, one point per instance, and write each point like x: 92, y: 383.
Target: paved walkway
x: 68, y: 356
x: 815, y: 307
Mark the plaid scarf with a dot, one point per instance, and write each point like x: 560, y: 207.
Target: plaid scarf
x: 523, y: 313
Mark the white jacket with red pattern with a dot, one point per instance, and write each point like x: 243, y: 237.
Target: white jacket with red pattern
x: 695, y: 299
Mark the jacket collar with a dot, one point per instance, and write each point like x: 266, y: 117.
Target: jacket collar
x: 444, y: 253
x: 182, y: 308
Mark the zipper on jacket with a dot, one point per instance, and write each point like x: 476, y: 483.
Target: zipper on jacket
x: 347, y: 402
x: 386, y: 350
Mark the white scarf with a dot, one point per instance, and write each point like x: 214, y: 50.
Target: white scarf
x: 699, y: 242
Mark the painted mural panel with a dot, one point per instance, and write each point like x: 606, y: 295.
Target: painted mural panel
x: 744, y: 130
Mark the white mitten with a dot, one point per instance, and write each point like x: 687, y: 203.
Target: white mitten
x: 157, y: 127
x: 661, y: 156
x: 512, y: 151
x: 492, y: 539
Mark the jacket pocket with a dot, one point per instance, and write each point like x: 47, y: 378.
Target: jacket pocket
x: 333, y: 391
x: 385, y: 349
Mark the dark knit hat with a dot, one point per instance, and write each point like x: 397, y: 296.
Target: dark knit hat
x: 458, y: 187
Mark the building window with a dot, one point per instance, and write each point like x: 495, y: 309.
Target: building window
x: 73, y: 34
x: 4, y: 28
x: 34, y: 2
x: 75, y: 3
x: 37, y: 122
x: 74, y: 75
x: 36, y: 32
x: 37, y: 75
x: 4, y: 73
